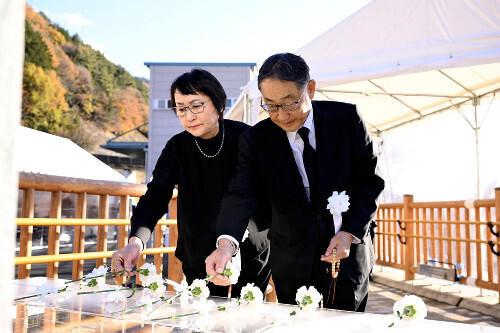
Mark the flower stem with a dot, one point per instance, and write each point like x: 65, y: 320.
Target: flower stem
x: 167, y: 301
x: 178, y: 316
x: 102, y: 275
x: 20, y: 298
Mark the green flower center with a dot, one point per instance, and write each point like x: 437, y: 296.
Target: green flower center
x: 409, y: 311
x: 306, y: 300
x: 227, y: 272
x: 92, y: 283
x: 197, y: 291
x: 153, y: 286
x: 249, y: 296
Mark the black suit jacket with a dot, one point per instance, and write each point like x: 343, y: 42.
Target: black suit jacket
x: 345, y: 163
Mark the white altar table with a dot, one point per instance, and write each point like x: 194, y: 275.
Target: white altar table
x: 69, y: 312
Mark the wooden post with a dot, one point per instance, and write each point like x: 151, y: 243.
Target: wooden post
x: 158, y: 258
x: 497, y: 217
x: 410, y: 241
x: 123, y: 229
x: 174, y: 265
x: 102, y: 230
x: 271, y: 295
x: 26, y: 237
x: 54, y: 232
x: 79, y: 243
x: 124, y: 214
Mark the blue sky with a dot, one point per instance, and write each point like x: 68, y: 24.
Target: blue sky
x: 130, y: 32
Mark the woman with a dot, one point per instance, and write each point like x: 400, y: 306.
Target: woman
x: 201, y: 161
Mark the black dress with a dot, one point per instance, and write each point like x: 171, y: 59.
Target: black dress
x: 202, y: 183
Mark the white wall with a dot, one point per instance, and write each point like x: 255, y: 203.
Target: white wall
x: 11, y: 71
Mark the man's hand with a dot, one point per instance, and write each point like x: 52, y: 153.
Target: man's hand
x: 216, y: 262
x: 342, y: 243
x: 129, y: 254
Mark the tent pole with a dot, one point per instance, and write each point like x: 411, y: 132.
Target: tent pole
x: 476, y: 131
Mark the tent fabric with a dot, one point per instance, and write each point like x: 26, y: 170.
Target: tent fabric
x: 48, y: 154
x: 402, y: 60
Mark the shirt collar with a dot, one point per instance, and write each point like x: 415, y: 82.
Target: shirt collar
x: 309, y: 124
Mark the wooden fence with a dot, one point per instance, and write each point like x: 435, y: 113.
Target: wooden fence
x: 465, y: 234
x: 461, y: 233
x: 29, y: 183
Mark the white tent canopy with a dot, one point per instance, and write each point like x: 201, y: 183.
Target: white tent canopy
x: 48, y: 154
x: 402, y: 60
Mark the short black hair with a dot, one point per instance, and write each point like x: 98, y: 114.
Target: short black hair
x: 200, y: 81
x: 285, y: 67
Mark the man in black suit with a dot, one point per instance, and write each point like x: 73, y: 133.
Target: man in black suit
x: 298, y: 157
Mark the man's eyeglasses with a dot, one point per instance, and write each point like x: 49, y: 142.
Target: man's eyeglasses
x: 289, y: 106
x: 196, y: 108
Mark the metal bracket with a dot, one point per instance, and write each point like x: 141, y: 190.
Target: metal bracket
x: 490, y: 225
x: 400, y: 226
x: 400, y: 240
x: 490, y: 243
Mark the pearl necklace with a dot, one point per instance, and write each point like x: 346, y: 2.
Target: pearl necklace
x: 220, y: 148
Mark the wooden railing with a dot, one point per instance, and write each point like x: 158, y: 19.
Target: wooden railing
x: 466, y: 233
x: 29, y: 183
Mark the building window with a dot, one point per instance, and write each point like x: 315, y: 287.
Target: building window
x: 161, y: 104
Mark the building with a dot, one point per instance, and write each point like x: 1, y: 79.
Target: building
x: 163, y: 123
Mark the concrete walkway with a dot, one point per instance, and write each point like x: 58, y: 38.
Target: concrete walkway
x: 456, y: 303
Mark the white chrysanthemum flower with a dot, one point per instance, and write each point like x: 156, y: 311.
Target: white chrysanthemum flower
x: 338, y: 203
x: 146, y: 300
x: 251, y: 294
x: 147, y: 274
x: 307, y: 298
x: 199, y: 288
x: 45, y: 289
x: 232, y: 272
x: 96, y: 278
x: 410, y: 306
x: 156, y: 284
x: 96, y: 272
x: 114, y: 296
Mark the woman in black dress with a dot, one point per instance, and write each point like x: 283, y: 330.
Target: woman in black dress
x: 201, y: 161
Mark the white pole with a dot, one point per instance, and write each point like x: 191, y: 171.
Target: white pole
x: 12, y: 13
x: 476, y: 132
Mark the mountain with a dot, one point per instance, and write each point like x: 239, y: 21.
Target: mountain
x: 72, y: 90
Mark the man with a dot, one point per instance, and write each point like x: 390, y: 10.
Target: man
x: 298, y: 157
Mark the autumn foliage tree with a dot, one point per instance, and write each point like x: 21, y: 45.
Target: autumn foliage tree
x: 44, y: 105
x: 72, y: 90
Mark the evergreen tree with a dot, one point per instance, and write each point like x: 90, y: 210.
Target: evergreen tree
x: 35, y: 49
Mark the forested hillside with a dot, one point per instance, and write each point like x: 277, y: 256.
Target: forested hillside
x: 72, y: 90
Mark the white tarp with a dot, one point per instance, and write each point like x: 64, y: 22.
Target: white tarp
x: 48, y: 154
x: 401, y: 61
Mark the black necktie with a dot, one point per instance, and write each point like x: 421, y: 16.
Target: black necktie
x: 309, y: 157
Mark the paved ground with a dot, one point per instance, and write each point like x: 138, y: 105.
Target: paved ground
x: 464, y: 300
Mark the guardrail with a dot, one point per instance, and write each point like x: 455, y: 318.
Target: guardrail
x: 29, y: 183
x: 464, y: 234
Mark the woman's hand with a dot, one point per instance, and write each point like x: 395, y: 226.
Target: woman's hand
x: 129, y: 256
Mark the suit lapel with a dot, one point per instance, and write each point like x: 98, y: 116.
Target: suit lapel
x: 327, y: 139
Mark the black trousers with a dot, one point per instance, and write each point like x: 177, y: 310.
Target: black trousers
x: 348, y: 295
